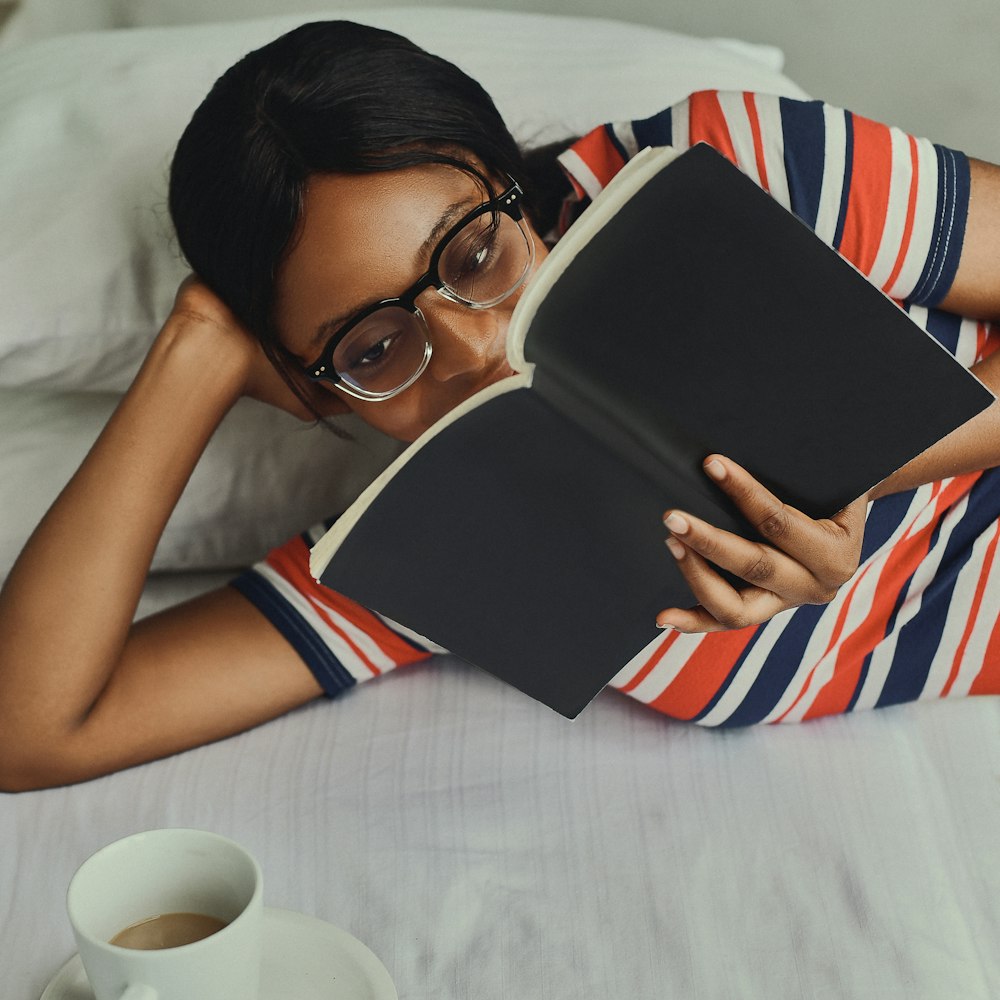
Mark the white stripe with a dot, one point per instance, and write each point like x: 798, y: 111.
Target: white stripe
x: 833, y: 175
x: 924, y: 217
x: 734, y: 112
x: 583, y: 175
x: 967, y: 348
x: 772, y: 139
x: 680, y: 124
x: 626, y: 136
x: 665, y: 672
x: 900, y: 178
x: 919, y: 315
x: 884, y: 653
x: 337, y: 644
x: 749, y: 671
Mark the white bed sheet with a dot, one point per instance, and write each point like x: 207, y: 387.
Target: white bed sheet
x: 485, y: 847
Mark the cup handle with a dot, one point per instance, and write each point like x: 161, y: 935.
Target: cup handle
x: 136, y: 991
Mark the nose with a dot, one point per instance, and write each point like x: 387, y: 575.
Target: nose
x: 468, y: 344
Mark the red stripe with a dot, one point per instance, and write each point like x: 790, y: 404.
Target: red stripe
x: 708, y: 124
x: 648, y: 666
x: 987, y: 340
x: 703, y: 674
x: 758, y: 144
x: 291, y: 560
x: 970, y: 620
x: 868, y: 201
x: 911, y: 212
x: 600, y: 155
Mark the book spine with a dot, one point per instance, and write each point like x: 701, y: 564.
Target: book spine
x: 670, y: 461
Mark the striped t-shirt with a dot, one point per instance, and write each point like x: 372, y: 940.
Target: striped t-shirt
x: 921, y: 616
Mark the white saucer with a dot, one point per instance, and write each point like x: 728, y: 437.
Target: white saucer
x: 304, y: 959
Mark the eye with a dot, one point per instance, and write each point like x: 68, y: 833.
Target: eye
x: 472, y: 251
x: 371, y: 353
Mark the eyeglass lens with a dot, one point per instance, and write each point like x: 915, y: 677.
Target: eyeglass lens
x: 480, y: 265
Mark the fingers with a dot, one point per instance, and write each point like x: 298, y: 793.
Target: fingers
x: 760, y: 565
x: 804, y: 561
x: 829, y: 548
x: 723, y: 607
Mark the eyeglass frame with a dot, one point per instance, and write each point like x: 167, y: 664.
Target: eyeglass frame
x: 508, y: 202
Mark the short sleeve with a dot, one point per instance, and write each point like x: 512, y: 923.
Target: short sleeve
x: 341, y: 642
x: 893, y: 204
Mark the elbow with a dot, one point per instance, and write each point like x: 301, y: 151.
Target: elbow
x: 19, y: 772
x: 31, y: 761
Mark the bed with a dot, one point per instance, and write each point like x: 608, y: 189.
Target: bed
x: 479, y: 844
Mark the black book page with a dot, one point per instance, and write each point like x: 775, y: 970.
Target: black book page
x: 705, y: 317
x: 522, y: 545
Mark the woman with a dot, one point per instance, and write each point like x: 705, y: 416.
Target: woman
x: 320, y: 178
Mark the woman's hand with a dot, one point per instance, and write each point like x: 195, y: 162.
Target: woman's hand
x: 806, y: 563
x: 197, y: 307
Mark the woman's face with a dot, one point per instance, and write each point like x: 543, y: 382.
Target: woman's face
x: 367, y: 237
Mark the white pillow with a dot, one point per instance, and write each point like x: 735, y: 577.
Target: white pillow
x: 264, y: 476
x: 88, y: 123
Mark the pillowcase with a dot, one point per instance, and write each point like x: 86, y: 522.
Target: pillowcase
x: 263, y: 477
x: 88, y: 267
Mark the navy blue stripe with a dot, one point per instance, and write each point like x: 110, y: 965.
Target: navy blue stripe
x: 779, y: 668
x: 331, y: 674
x: 885, y: 516
x: 803, y: 127
x: 655, y: 131
x: 861, y: 681
x: 919, y: 639
x: 945, y: 328
x: 609, y: 131
x: 845, y: 190
x: 949, y: 229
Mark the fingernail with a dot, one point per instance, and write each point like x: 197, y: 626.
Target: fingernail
x: 676, y: 549
x: 716, y: 470
x: 676, y: 524
x: 666, y: 625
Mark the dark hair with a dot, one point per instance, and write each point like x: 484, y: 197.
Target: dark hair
x: 331, y: 96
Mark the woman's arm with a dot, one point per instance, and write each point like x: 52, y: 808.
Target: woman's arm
x: 82, y: 690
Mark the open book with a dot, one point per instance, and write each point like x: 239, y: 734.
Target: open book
x: 686, y: 312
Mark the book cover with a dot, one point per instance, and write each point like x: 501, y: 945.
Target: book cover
x: 686, y: 312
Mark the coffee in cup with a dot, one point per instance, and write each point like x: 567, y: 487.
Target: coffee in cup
x: 167, y: 930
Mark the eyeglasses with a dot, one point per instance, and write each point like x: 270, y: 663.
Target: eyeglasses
x: 384, y: 348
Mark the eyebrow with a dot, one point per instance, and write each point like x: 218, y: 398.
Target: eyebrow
x: 448, y: 218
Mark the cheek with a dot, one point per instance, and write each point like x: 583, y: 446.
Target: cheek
x: 397, y: 418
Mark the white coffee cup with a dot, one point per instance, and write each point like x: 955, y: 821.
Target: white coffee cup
x: 160, y: 872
